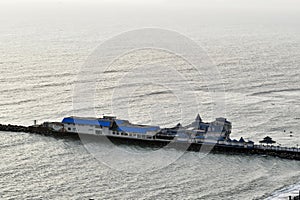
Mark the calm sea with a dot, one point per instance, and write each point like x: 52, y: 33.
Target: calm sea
x: 42, y: 50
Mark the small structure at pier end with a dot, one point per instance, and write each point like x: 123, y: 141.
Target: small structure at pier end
x: 267, y: 140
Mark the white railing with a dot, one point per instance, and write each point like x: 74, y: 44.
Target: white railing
x: 277, y: 148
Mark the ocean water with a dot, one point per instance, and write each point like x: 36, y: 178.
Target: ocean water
x: 43, y: 49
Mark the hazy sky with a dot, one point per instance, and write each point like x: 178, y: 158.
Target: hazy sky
x: 279, y: 6
x: 157, y: 13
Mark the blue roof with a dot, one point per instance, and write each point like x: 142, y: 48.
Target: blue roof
x: 86, y: 121
x: 124, y: 125
x: 119, y: 121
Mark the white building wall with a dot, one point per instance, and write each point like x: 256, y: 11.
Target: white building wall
x: 83, y: 129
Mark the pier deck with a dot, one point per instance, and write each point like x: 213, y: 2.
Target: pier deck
x: 276, y: 151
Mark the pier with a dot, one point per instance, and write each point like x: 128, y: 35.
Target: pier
x: 292, y: 153
x: 36, y: 129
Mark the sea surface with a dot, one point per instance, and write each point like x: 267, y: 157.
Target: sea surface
x: 42, y: 53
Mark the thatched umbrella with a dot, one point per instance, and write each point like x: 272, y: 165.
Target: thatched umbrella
x: 267, y: 140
